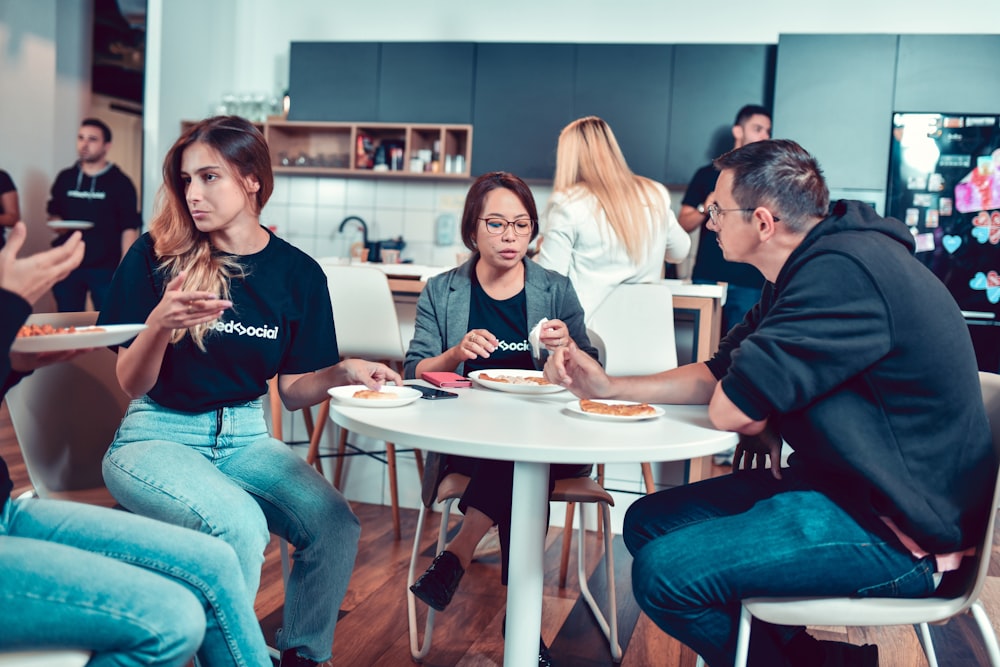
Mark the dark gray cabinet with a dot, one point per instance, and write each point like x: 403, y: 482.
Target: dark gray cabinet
x: 629, y: 86
x: 711, y: 83
x: 426, y: 82
x: 523, y: 98
x: 948, y: 73
x: 834, y: 96
x: 333, y: 81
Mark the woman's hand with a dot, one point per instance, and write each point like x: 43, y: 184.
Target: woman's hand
x: 369, y: 373
x: 476, y: 343
x: 182, y: 309
x: 554, y: 334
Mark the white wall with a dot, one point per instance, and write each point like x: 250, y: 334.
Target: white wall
x: 45, y: 76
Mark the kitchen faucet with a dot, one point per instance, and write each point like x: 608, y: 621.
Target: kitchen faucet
x: 364, y: 227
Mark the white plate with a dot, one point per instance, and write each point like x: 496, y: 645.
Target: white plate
x: 345, y: 394
x: 515, y: 388
x: 574, y: 406
x: 66, y: 225
x: 96, y: 336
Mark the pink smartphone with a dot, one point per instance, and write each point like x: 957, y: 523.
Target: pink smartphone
x: 445, y: 379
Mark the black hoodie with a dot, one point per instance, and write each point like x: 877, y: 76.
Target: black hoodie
x: 862, y: 359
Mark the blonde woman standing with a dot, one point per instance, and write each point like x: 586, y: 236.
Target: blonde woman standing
x: 604, y: 225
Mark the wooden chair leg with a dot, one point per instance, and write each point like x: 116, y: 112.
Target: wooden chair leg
x: 390, y: 457
x: 418, y: 458
x: 316, y: 435
x: 647, y: 475
x: 339, y: 466
x: 567, y: 540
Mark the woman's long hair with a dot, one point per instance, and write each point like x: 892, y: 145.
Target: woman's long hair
x: 588, y: 159
x: 177, y: 242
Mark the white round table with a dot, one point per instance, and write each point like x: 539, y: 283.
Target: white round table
x: 533, y: 431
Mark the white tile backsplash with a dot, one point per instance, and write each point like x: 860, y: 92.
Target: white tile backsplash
x: 331, y: 192
x: 302, y: 191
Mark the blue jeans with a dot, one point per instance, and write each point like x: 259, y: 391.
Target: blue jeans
x: 71, y: 292
x: 700, y: 549
x: 134, y: 591
x: 220, y: 473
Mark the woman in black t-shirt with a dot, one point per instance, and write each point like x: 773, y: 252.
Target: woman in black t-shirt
x: 500, y: 295
x: 228, y: 306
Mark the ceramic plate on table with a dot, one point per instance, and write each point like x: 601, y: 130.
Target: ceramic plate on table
x: 574, y: 406
x: 516, y: 384
x: 403, y: 396
x: 82, y: 338
x: 69, y: 225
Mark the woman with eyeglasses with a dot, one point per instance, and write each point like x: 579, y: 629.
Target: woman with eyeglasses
x: 604, y: 225
x: 477, y: 317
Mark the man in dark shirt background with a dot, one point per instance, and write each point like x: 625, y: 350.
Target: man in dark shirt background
x: 97, y: 191
x: 753, y: 123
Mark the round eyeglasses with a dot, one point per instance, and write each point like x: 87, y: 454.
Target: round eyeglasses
x: 498, y: 225
x: 714, y: 212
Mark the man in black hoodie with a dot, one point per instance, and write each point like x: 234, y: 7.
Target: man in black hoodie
x: 858, y: 357
x: 96, y: 191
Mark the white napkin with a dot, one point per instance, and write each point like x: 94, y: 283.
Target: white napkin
x: 534, y: 338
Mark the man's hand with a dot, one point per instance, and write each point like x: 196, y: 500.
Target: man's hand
x: 576, y: 370
x: 754, y: 450
x: 31, y: 277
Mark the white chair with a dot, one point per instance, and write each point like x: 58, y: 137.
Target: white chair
x: 893, y: 611
x: 367, y: 327
x: 633, y: 330
x: 48, y: 410
x: 572, y: 490
x: 55, y: 658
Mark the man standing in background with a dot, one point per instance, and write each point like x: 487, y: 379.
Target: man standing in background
x: 753, y: 123
x: 93, y: 190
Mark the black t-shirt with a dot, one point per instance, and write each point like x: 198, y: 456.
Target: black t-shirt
x: 508, y: 321
x: 709, y: 263
x: 107, y: 199
x: 6, y: 185
x: 281, y: 322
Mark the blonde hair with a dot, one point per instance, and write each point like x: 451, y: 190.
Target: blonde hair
x: 588, y: 159
x: 177, y: 242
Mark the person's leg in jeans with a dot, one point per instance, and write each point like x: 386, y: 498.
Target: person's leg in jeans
x: 237, y: 484
x: 700, y: 549
x: 305, y: 509
x: 134, y: 590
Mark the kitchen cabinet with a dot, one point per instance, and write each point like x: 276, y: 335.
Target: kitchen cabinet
x: 834, y: 96
x: 523, y: 98
x: 426, y: 82
x: 331, y: 149
x: 947, y: 73
x: 629, y: 86
x: 333, y: 81
x: 711, y: 83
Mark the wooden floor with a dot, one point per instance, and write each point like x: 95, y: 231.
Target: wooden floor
x: 372, y: 629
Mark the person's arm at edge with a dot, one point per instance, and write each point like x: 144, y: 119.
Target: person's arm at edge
x: 129, y: 237
x: 690, y: 218
x: 725, y: 416
x: 300, y: 390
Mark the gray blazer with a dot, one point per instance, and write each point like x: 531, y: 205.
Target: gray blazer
x: 443, y: 311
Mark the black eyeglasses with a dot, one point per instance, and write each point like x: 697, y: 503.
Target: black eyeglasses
x: 714, y: 212
x: 498, y: 225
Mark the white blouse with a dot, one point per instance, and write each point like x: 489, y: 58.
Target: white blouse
x: 579, y: 243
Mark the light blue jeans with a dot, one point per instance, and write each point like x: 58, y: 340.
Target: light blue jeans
x: 220, y: 473
x: 700, y: 549
x: 136, y: 592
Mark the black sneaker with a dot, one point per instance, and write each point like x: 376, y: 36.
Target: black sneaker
x: 437, y: 585
x: 289, y: 658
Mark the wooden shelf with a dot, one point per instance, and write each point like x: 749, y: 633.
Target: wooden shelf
x: 353, y: 149
x: 332, y: 149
